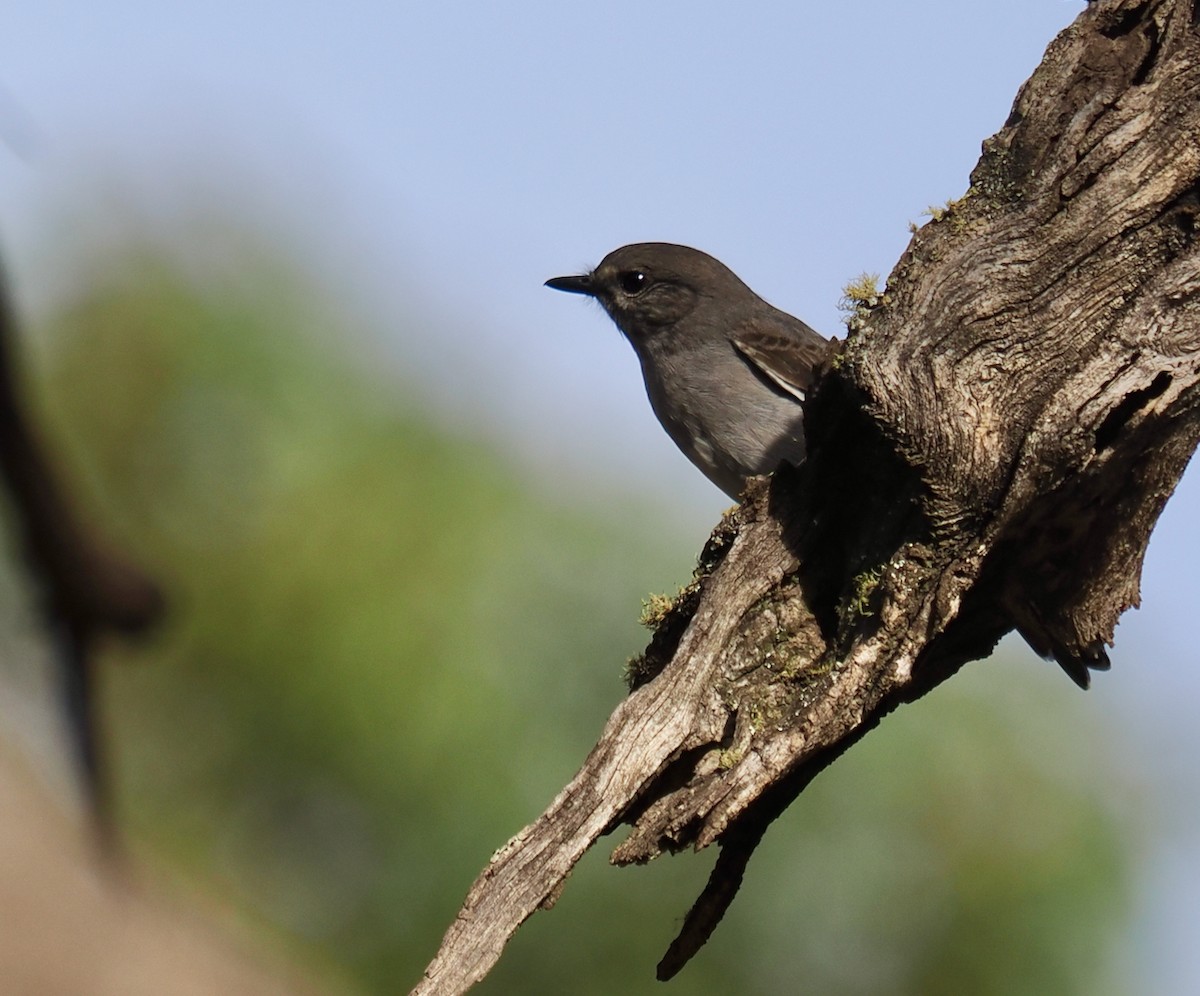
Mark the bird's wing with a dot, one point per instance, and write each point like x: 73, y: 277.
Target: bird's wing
x: 786, y: 361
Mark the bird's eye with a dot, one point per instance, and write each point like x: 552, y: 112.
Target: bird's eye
x: 633, y: 281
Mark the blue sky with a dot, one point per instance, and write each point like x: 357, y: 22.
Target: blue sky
x: 444, y: 159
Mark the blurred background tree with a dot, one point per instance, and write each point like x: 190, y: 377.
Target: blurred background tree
x: 388, y: 649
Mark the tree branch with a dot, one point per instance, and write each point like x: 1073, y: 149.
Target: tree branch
x: 990, y: 451
x: 87, y: 588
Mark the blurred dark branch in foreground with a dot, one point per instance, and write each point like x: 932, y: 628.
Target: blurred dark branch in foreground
x: 990, y: 451
x: 88, y: 588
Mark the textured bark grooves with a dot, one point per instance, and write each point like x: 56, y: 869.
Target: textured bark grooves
x: 990, y: 451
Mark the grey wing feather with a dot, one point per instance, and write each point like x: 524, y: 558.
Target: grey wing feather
x: 787, y: 361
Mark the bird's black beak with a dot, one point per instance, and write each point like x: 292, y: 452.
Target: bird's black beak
x: 581, y: 284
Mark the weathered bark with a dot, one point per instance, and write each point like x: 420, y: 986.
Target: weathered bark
x: 990, y: 451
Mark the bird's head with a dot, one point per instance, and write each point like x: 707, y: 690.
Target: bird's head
x: 651, y: 286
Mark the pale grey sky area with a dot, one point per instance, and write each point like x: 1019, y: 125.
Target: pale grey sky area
x: 445, y: 159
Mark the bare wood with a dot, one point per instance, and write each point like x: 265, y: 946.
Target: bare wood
x: 990, y: 451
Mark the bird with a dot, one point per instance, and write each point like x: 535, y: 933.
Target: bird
x: 726, y: 372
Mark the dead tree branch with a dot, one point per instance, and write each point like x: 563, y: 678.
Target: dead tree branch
x: 87, y: 588
x: 989, y: 452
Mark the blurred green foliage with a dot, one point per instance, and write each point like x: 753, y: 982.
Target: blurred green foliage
x: 388, y: 651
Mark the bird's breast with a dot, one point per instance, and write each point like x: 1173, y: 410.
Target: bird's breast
x: 723, y: 418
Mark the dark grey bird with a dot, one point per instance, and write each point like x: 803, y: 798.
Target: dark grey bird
x: 725, y: 371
